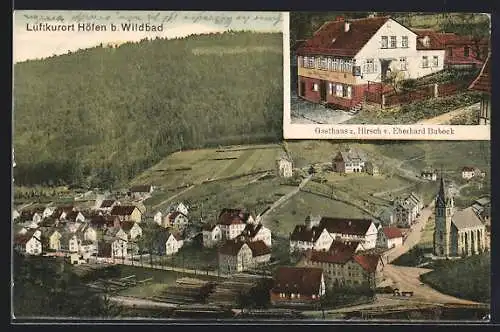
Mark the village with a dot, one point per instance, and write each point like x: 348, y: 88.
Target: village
x: 235, y: 250
x: 370, y: 70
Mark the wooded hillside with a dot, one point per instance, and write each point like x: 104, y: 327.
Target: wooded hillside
x: 98, y: 116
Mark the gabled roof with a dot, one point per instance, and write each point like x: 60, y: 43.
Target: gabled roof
x: 331, y: 37
x: 174, y: 214
x: 208, y: 227
x: 101, y: 221
x: 251, y: 230
x: 339, y: 253
x: 352, y: 226
x: 466, y: 218
x: 259, y: 248
x: 107, y: 203
x: 306, y: 234
x: 350, y: 155
x: 301, y: 280
x: 369, y: 263
x: 392, y: 232
x: 123, y: 210
x: 22, y: 239
x: 233, y: 216
x: 483, y: 201
x: 127, y: 225
x: 468, y: 169
x: 483, y: 81
x: 231, y: 247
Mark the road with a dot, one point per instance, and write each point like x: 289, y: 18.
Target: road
x: 413, y: 237
x: 285, y: 198
x: 408, y: 278
x: 447, y: 117
x: 304, y: 112
x: 142, y: 303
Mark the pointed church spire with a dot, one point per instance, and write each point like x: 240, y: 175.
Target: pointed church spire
x: 441, y: 197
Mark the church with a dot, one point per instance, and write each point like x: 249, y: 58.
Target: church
x: 457, y: 233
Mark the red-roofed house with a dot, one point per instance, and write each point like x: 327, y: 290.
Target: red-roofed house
x: 297, y: 285
x: 238, y: 255
x: 362, y: 230
x: 483, y: 84
x: 342, y: 266
x: 126, y: 213
x: 460, y: 51
x: 233, y: 221
x: 342, y: 57
x: 177, y: 220
x: 389, y: 237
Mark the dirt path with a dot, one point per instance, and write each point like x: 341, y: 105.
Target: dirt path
x: 142, y: 303
x: 447, y: 117
x: 285, y: 198
x: 173, y: 197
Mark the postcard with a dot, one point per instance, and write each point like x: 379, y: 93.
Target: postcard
x: 151, y: 181
x: 376, y: 75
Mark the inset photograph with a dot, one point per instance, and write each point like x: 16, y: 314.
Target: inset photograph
x: 381, y: 68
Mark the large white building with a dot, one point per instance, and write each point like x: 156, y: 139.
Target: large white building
x: 342, y: 57
x: 359, y: 230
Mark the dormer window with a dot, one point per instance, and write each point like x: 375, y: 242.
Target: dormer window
x: 426, y: 41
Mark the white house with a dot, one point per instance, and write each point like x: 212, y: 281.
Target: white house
x: 360, y: 230
x: 238, y: 255
x: 389, y: 237
x: 70, y: 242
x: 285, y: 167
x: 132, y: 229
x: 29, y: 243
x: 350, y: 161
x: 232, y: 222
x: 119, y: 247
x: 15, y: 214
x: 177, y: 220
x: 304, y: 237
x: 257, y: 232
x: 468, y: 173
x: 428, y: 174
x: 407, y: 209
x: 212, y: 235
x: 342, y: 57
x: 173, y: 244
x: 179, y: 207
x: 88, y: 248
x: 158, y: 218
x: 48, y: 211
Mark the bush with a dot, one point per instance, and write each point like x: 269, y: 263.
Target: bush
x: 409, y: 84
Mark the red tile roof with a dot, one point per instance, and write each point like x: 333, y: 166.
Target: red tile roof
x: 127, y: 225
x: 107, y: 203
x: 345, y: 226
x: 368, y: 262
x: 122, y: 210
x: 208, y: 227
x: 331, y: 37
x: 468, y: 169
x: 306, y: 234
x: 392, y: 232
x: 233, y: 216
x: 259, y: 248
x: 231, y: 247
x: 302, y: 280
x: 440, y: 40
x: 483, y: 82
x: 339, y: 253
x: 251, y: 230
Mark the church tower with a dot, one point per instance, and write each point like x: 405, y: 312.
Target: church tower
x: 443, y: 212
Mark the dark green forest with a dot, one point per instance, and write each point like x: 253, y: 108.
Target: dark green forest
x: 50, y: 289
x: 97, y: 117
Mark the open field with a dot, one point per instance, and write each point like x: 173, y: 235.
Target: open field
x: 195, y: 166
x: 206, y: 200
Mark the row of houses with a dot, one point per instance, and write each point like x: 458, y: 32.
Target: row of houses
x: 321, y: 233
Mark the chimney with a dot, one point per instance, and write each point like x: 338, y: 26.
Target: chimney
x: 347, y: 26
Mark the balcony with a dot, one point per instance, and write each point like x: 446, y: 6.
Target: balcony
x: 332, y: 76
